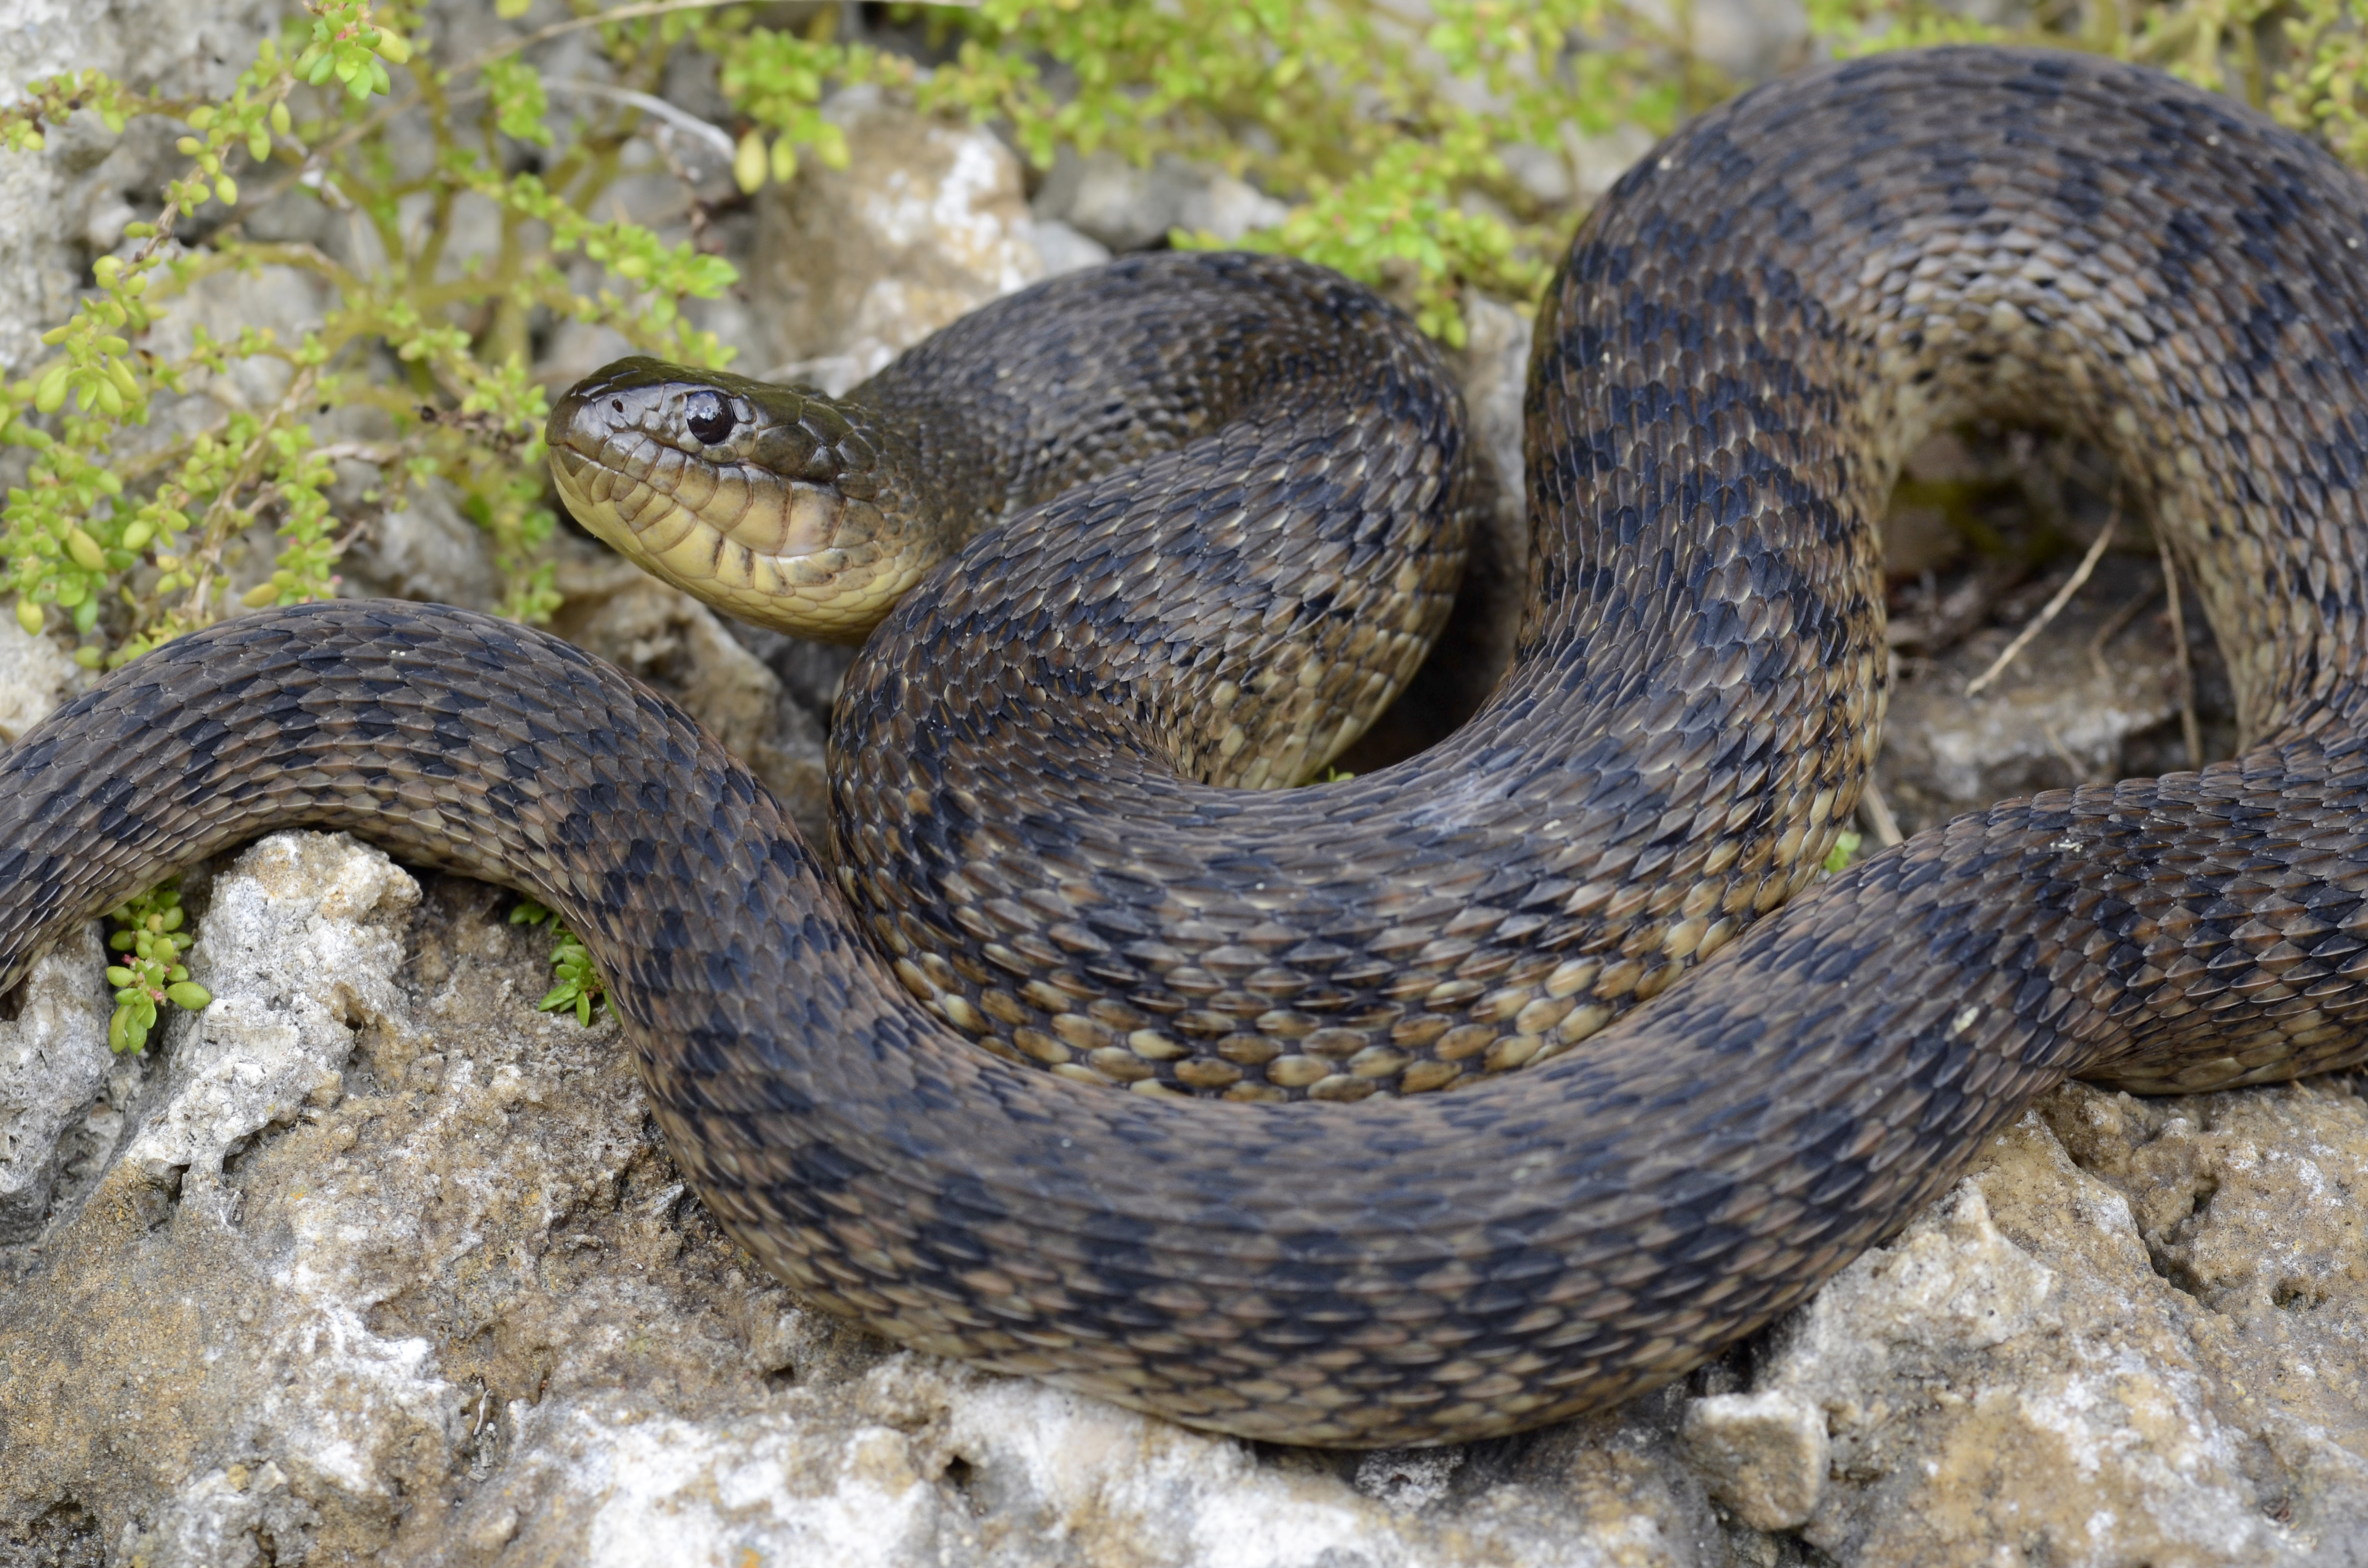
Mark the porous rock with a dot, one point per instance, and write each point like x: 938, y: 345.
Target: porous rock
x: 53, y: 1057
x: 374, y: 1262
x: 1126, y: 206
x: 392, y: 1269
x: 424, y: 550
x: 2137, y: 1331
x: 388, y: 1265
x: 56, y: 212
x: 36, y: 674
x: 2063, y: 713
x: 926, y: 224
x: 53, y: 1054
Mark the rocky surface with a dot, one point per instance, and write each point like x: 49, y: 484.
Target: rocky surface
x: 1121, y: 207
x: 56, y: 212
x: 1986, y: 532
x: 389, y: 1267
x: 928, y: 221
x: 36, y: 674
x: 2122, y: 1338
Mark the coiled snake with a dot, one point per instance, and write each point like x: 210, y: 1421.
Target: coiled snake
x: 1033, y: 760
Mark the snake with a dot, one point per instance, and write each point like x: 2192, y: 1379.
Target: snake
x: 1120, y: 1043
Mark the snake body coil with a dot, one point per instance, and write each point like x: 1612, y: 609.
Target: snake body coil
x: 1041, y: 856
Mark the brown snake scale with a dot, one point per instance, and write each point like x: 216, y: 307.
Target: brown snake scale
x: 1235, y: 489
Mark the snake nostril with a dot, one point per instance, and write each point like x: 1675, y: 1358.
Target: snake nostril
x: 617, y: 403
x: 708, y: 415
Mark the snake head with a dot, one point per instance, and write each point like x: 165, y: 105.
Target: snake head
x: 763, y: 501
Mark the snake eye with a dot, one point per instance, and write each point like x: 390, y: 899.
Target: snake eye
x: 709, y: 416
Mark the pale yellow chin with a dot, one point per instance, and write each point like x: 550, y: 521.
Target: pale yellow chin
x: 829, y: 595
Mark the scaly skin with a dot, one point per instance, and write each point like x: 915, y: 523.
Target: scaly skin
x: 1043, y: 854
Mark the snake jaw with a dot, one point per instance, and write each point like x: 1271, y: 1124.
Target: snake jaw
x: 752, y: 497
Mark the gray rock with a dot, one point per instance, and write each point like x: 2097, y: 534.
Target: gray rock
x: 1120, y: 205
x: 1751, y: 40
x: 58, y: 209
x: 282, y: 300
x: 424, y: 550
x: 53, y: 1054
x: 427, y: 1290
x: 2038, y: 1365
x: 298, y: 945
x: 300, y: 941
x: 2062, y: 714
x: 1128, y: 207
x: 1408, y: 1479
x: 852, y: 266
x: 1598, y: 161
x: 387, y: 1234
x: 1763, y: 1454
x: 680, y: 646
x: 1063, y: 248
x: 374, y: 1262
x: 54, y: 1059
x: 36, y: 674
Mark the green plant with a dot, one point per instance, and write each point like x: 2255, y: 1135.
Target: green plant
x: 1391, y: 138
x: 580, y: 986
x: 151, y: 973
x: 130, y: 537
x: 2303, y: 61
x: 1388, y: 133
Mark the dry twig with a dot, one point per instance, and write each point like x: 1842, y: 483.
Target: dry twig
x: 2055, y: 607
x: 1875, y: 812
x: 2113, y: 626
x: 2187, y: 728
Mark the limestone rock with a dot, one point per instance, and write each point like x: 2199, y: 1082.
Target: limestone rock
x: 283, y: 301
x: 1763, y: 1454
x: 1065, y: 249
x: 1752, y: 39
x: 297, y: 949
x: 428, y: 551
x: 244, y: 1401
x: 53, y: 1054
x: 389, y: 1266
x: 373, y: 1262
x: 2136, y: 1332
x: 1126, y: 207
x: 429, y: 1291
x: 852, y: 266
x: 59, y: 208
x: 36, y: 674
x: 2060, y: 715
x: 54, y: 1058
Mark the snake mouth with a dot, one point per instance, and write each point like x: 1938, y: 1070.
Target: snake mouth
x: 734, y: 491
x: 675, y: 465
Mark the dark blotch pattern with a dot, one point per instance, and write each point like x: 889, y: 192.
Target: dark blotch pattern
x: 1744, y: 336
